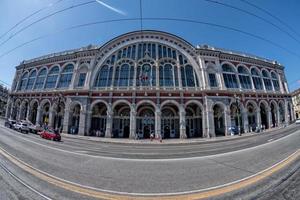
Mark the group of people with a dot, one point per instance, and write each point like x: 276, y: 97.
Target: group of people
x: 152, y: 137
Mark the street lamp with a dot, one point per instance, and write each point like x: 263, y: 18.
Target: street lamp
x: 58, y: 99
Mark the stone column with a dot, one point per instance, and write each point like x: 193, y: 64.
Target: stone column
x: 88, y: 122
x: 66, y: 120
x: 278, y: 121
x: 227, y: 121
x: 182, y: 122
x: 286, y: 113
x: 28, y: 112
x: 258, y: 118
x: 245, y: 120
x: 51, y: 117
x: 269, y: 115
x: 81, y: 128
x: 209, y: 118
x: 158, y: 123
x: 8, y: 107
x: 38, y: 116
x: 20, y: 112
x: 132, y: 132
x: 109, y: 122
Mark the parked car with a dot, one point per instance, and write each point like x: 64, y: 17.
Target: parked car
x: 50, y: 135
x: 35, y: 128
x: 233, y: 130
x: 22, y: 127
x: 297, y: 121
x: 10, y: 123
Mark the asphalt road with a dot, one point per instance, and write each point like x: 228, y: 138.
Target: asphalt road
x: 144, y: 169
x: 163, y: 151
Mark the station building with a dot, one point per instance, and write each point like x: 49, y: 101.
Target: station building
x: 151, y: 82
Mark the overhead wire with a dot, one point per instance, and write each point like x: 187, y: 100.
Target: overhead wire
x: 45, y: 17
x: 160, y: 19
x: 271, y: 15
x: 256, y: 16
x: 28, y: 17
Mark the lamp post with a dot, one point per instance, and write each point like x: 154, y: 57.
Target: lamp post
x: 237, y: 101
x: 58, y: 99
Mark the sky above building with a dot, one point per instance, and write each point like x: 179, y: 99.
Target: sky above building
x: 270, y: 30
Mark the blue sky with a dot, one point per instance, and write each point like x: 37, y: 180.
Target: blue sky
x: 13, y: 11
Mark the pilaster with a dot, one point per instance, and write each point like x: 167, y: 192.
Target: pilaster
x: 109, y: 121
x: 182, y: 122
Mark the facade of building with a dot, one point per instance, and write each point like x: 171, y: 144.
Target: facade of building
x: 296, y: 102
x: 3, y: 99
x: 151, y: 82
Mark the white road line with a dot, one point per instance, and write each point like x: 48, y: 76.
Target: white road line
x: 155, y: 194
x: 23, y: 183
x: 157, y: 160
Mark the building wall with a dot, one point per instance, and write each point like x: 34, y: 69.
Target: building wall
x: 219, y: 104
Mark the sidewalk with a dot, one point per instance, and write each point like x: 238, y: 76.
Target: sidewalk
x: 166, y: 141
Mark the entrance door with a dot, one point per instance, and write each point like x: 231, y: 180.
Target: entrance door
x: 166, y: 131
x: 126, y: 132
x: 146, y: 131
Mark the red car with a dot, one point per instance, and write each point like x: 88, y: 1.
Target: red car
x: 50, y: 135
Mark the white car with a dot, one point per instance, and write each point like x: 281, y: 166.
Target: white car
x: 297, y: 121
x: 22, y: 127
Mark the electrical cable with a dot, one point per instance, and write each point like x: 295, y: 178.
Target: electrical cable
x: 28, y: 17
x: 256, y: 16
x: 271, y: 15
x: 45, y: 17
x: 160, y: 19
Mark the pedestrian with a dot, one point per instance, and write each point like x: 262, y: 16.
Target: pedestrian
x: 151, y: 136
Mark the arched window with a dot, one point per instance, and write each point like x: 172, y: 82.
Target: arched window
x: 212, y: 78
x: 146, y: 75
x: 52, y: 77
x: 31, y: 80
x: 267, y: 80
x: 124, y: 75
x: 188, y: 76
x: 275, y: 81
x: 23, y: 82
x: 104, y: 77
x: 66, y: 76
x: 256, y: 79
x: 40, y: 80
x: 166, y: 75
x: 244, y: 78
x: 229, y: 76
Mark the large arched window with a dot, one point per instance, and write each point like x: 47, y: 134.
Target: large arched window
x: 244, y: 78
x: 275, y: 81
x: 146, y: 75
x: 188, y: 77
x: 167, y: 75
x: 104, y: 77
x: 267, y: 81
x: 52, y: 77
x: 124, y: 75
x: 40, y: 80
x: 31, y: 80
x: 66, y: 76
x: 229, y: 76
x: 256, y: 79
x: 23, y: 82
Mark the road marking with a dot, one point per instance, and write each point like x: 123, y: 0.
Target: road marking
x: 23, y: 183
x: 157, y: 159
x: 270, y: 140
x: 108, y: 194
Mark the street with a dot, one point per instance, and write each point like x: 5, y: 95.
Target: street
x: 151, y: 169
